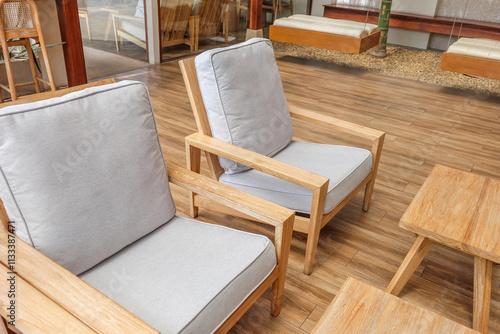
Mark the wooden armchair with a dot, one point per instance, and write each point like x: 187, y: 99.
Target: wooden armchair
x: 214, y: 20
x: 100, y: 207
x: 320, y: 179
x: 175, y: 18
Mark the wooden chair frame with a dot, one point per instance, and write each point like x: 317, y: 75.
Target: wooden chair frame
x: 24, y: 36
x: 83, y: 13
x: 213, y: 148
x: 214, y: 15
x: 324, y: 40
x: 174, y: 23
x: 173, y: 28
x: 53, y: 297
x: 275, y: 8
x: 475, y: 66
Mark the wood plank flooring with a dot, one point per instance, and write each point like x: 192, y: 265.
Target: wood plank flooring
x: 425, y: 125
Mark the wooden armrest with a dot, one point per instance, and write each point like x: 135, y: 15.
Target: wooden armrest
x: 335, y: 124
x: 84, y: 302
x: 258, y: 161
x: 248, y: 204
x: 30, y: 311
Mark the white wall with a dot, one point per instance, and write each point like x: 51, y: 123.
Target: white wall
x: 479, y: 10
x: 153, y: 31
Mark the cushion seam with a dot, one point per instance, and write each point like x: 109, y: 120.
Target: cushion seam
x: 164, y: 165
x: 220, y: 98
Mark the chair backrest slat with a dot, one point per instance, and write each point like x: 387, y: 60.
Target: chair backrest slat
x: 211, y: 12
x: 174, y: 18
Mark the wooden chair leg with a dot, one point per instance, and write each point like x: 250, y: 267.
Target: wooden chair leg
x: 193, y: 157
x: 376, y: 152
x: 317, y: 208
x: 88, y: 26
x: 194, y: 31
x: 197, y: 33
x: 282, y: 253
x: 8, y: 69
x: 48, y: 69
x: 226, y: 27
x: 109, y: 22
x: 412, y: 260
x: 31, y: 59
x: 116, y: 34
x: 483, y: 272
x: 368, y: 195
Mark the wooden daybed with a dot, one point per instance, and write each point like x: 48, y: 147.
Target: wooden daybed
x: 320, y: 32
x: 473, y: 56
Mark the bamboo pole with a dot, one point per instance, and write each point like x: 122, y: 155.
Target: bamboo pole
x: 383, y: 25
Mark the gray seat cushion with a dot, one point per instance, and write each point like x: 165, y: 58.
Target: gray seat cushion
x: 244, y: 98
x: 345, y: 166
x: 182, y: 278
x: 83, y: 175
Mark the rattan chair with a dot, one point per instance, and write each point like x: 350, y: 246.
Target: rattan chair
x: 20, y: 22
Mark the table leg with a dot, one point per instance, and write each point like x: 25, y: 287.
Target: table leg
x: 410, y: 263
x: 483, y: 272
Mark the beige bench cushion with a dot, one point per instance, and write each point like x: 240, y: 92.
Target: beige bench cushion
x: 476, y: 47
x: 327, y: 25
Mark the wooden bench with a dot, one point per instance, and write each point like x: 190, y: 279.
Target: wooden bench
x: 473, y: 56
x: 338, y: 35
x: 437, y: 24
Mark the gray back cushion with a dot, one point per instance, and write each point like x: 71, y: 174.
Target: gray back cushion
x: 244, y: 98
x: 83, y: 175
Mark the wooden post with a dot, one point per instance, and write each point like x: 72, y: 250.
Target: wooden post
x: 69, y: 23
x: 255, y: 19
x: 383, y: 25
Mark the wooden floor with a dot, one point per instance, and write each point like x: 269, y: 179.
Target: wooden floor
x: 425, y: 125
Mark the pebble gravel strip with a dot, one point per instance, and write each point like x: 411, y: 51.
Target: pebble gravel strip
x: 421, y: 65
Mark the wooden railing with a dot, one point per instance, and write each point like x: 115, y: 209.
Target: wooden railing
x: 438, y: 25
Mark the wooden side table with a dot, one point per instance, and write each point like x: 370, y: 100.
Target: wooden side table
x: 361, y: 308
x: 460, y: 210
